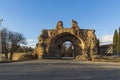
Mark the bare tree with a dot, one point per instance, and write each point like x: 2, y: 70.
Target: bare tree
x: 4, y: 41
x: 69, y: 51
x: 10, y: 41
x: 15, y: 39
x: 64, y: 48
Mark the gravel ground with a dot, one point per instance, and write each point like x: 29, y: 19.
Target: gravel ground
x: 59, y: 70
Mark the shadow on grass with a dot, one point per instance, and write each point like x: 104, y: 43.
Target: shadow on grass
x: 10, y: 61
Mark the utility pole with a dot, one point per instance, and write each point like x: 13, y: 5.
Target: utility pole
x: 1, y: 20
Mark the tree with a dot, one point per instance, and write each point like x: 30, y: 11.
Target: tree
x: 4, y: 42
x: 67, y: 49
x: 115, y: 41
x: 70, y: 51
x: 10, y: 42
x: 15, y: 39
x: 118, y: 48
x: 63, y: 50
x: 98, y: 46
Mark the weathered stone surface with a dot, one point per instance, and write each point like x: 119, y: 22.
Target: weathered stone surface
x: 50, y: 41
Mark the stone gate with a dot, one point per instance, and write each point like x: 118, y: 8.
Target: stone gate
x: 50, y: 41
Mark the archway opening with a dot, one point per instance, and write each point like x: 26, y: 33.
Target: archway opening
x: 71, y: 43
x: 67, y: 50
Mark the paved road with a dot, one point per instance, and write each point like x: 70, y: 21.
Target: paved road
x: 59, y: 70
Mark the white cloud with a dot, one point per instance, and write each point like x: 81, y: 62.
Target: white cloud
x: 31, y: 43
x: 31, y: 40
x: 106, y: 39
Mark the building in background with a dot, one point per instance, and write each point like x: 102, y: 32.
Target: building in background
x: 106, y: 49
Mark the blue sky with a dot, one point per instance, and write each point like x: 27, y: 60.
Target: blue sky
x: 31, y: 16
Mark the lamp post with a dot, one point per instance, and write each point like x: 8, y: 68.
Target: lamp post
x: 73, y: 52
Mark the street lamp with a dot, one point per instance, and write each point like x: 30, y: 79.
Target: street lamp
x: 73, y: 52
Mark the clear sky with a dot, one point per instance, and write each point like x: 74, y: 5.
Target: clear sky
x: 31, y: 16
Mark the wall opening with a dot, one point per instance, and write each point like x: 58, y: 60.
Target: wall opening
x: 67, y: 49
x: 65, y: 45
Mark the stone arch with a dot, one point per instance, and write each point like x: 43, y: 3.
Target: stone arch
x: 57, y: 42
x: 50, y: 41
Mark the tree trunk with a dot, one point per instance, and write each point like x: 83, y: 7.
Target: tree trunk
x: 11, y: 55
x: 6, y: 55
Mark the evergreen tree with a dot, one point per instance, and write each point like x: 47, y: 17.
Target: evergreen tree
x: 118, y: 48
x: 98, y: 46
x: 115, y: 41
